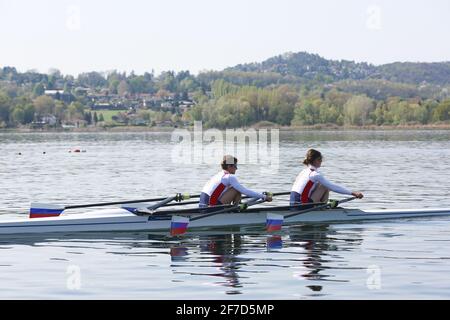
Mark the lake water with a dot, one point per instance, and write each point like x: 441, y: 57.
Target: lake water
x: 378, y: 260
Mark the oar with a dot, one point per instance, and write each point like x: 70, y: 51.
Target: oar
x: 180, y: 224
x: 240, y: 207
x: 41, y: 210
x: 244, y: 197
x: 275, y: 221
x: 142, y: 209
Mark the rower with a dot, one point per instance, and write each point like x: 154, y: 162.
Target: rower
x: 224, y: 188
x: 310, y: 186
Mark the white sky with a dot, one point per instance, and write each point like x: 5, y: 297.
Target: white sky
x: 80, y: 35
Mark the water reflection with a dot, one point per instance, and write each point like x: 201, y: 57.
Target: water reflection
x: 274, y: 242
x: 230, y: 259
x: 320, y: 248
x: 316, y: 246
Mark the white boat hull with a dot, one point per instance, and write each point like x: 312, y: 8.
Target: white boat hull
x: 123, y: 220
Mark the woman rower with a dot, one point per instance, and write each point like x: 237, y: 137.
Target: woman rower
x: 224, y: 188
x: 311, y: 186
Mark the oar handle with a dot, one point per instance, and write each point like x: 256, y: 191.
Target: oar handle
x: 335, y: 203
x: 275, y: 194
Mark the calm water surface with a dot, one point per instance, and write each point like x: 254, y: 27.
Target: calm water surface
x: 377, y: 260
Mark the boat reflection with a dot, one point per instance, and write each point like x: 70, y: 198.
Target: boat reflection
x: 220, y: 255
x: 320, y: 246
x: 316, y: 246
x: 178, y: 254
x: 274, y: 242
x: 229, y: 258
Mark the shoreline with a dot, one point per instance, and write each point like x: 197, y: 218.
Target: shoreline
x: 324, y: 127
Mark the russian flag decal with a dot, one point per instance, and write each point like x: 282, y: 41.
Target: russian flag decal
x: 274, y: 222
x: 178, y: 225
x: 41, y: 210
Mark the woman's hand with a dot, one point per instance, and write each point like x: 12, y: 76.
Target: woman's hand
x: 267, y: 196
x: 358, y: 195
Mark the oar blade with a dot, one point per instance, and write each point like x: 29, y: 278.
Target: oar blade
x: 274, y: 222
x: 178, y: 225
x: 45, y: 210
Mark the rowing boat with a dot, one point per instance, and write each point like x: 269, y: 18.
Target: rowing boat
x: 123, y: 220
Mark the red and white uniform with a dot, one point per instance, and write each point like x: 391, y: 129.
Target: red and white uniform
x: 220, y: 183
x: 307, y: 181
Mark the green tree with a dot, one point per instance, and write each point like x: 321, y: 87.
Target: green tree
x: 88, y: 117
x: 306, y: 113
x: 38, y: 90
x: 123, y: 88
x: 329, y: 113
x: 113, y: 84
x: 44, y: 105
x: 442, y: 111
x: 138, y: 85
x: 76, y: 111
x: 18, y: 115
x: 92, y: 79
x: 167, y: 81
x: 144, y: 114
x: 29, y: 112
x: 357, y: 109
x: 60, y: 110
x: 5, y: 104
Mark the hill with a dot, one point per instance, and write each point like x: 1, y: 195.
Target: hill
x: 313, y: 67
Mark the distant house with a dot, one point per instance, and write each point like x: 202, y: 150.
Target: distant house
x: 68, y: 125
x: 53, y: 92
x: 82, y: 91
x: 102, y: 106
x: 59, y: 95
x: 184, y: 106
x: 166, y: 105
x: 49, y: 119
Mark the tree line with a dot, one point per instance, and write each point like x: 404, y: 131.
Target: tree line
x: 237, y: 106
x: 296, y: 89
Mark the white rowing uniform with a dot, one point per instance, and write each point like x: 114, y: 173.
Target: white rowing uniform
x: 306, y: 182
x: 220, y: 183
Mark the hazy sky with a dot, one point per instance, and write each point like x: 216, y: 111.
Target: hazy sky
x: 80, y: 35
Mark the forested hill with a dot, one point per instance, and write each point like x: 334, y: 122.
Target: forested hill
x: 314, y: 67
x: 290, y: 89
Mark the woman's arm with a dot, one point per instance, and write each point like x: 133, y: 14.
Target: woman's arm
x: 329, y: 185
x: 236, y: 185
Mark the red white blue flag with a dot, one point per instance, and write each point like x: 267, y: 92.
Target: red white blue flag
x: 178, y: 225
x: 274, y: 222
x: 41, y: 210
